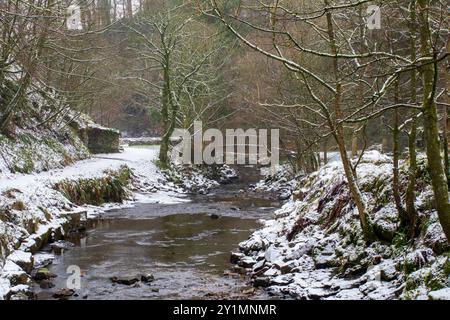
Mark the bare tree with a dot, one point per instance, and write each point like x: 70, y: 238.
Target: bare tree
x: 364, y: 72
x: 171, y: 63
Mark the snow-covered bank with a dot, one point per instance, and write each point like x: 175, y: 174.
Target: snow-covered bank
x: 314, y: 249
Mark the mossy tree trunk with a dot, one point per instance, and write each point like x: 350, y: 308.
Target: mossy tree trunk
x: 435, y: 161
x: 165, y: 112
x: 445, y: 131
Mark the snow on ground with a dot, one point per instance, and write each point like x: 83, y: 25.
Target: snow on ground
x: 313, y: 247
x: 139, y: 159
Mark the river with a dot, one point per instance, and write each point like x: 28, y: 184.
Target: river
x: 185, y: 245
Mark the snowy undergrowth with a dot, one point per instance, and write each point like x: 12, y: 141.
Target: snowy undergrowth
x: 199, y: 179
x: 38, y: 137
x: 314, y: 249
x: 33, y: 150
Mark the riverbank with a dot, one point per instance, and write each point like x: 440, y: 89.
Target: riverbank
x: 314, y: 249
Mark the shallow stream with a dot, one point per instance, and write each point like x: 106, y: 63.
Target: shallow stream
x: 186, y: 246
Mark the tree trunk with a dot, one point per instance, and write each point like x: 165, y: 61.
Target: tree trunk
x: 435, y: 163
x: 396, y: 158
x: 129, y: 9
x: 411, y: 215
x: 354, y: 143
x: 325, y: 151
x: 445, y: 139
x: 355, y: 192
x: 445, y: 131
x: 165, y: 109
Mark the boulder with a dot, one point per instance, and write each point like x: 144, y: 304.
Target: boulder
x: 385, y: 222
x: 15, y: 274
x: 22, y: 259
x: 435, y: 238
x: 99, y: 139
x: 272, y: 254
x: 246, y: 262
x: 255, y: 243
x: 284, y: 267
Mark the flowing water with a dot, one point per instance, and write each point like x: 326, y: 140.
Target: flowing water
x: 184, y: 245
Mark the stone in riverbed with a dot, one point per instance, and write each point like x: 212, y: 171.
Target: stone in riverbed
x: 235, y: 257
x: 147, y: 278
x: 214, y: 216
x: 319, y: 293
x: 43, y: 259
x: 261, y: 271
x: 128, y: 281
x: 238, y: 270
x: 282, y: 280
x: 19, y: 296
x: 43, y: 274
x: 46, y: 284
x: 63, y: 293
x: 261, y: 282
x: 61, y: 245
x: 272, y: 272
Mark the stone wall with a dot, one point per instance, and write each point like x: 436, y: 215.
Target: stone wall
x: 100, y: 139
